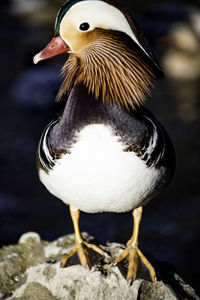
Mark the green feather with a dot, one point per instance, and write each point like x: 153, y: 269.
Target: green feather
x: 63, y: 10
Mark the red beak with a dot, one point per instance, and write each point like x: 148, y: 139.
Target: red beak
x: 55, y: 47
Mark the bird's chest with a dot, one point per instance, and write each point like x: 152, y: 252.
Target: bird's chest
x: 98, y: 175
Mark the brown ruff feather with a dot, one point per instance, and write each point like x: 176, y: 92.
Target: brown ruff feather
x: 113, y: 68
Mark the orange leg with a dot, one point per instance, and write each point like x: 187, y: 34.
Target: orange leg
x: 133, y: 253
x: 80, y: 245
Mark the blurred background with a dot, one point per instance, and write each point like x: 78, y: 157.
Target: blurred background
x: 171, y: 223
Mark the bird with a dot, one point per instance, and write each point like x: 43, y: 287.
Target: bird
x: 105, y: 151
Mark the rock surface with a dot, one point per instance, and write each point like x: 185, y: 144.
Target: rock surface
x: 31, y: 270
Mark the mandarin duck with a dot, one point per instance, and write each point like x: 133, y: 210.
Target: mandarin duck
x: 105, y: 152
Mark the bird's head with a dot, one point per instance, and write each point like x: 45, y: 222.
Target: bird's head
x: 107, y: 52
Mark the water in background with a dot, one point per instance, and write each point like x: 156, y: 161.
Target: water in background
x: 170, y: 224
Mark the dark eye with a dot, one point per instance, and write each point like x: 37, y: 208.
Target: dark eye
x: 84, y: 26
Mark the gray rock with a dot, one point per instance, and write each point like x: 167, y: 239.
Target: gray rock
x: 35, y: 291
x: 31, y: 270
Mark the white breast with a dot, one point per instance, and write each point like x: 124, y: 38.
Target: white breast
x: 99, y: 176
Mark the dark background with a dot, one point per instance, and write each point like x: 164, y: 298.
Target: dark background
x: 171, y: 223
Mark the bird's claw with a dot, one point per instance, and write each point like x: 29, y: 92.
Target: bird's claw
x: 133, y: 254
x: 83, y: 254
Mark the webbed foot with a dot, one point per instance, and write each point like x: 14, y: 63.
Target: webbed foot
x: 133, y: 254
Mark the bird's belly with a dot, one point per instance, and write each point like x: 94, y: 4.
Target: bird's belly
x: 99, y: 176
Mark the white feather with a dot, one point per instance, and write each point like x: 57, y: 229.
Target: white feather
x: 98, y: 14
x: 153, y: 139
x: 99, y: 176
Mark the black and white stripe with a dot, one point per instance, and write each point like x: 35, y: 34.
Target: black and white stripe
x: 153, y: 152
x: 150, y: 140
x: 45, y: 154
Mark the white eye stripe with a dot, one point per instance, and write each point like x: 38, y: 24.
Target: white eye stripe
x: 99, y: 14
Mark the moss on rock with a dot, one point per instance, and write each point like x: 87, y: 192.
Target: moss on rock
x: 31, y: 270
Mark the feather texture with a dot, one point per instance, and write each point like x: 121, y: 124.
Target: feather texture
x: 113, y: 68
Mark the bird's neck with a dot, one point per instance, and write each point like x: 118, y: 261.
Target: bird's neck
x: 82, y: 109
x: 113, y: 71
